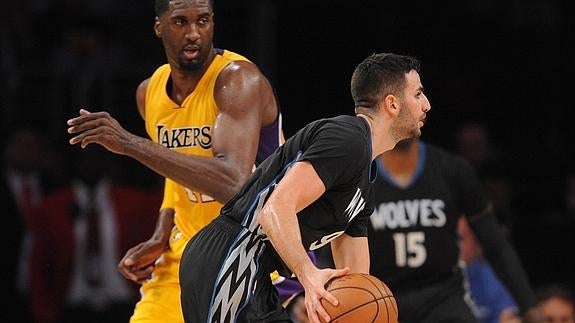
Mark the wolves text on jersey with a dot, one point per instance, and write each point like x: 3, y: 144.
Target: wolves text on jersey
x: 409, y: 213
x: 185, y: 137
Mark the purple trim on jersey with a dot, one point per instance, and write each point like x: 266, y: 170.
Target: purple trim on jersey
x: 291, y: 286
x: 270, y: 136
x: 416, y: 174
x: 288, y: 288
x: 270, y: 139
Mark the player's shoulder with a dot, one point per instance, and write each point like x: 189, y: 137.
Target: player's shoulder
x: 231, y: 55
x: 161, y: 69
x: 245, y: 76
x: 160, y: 74
x: 240, y: 80
x: 448, y: 158
x: 237, y: 64
x: 349, y: 133
x: 345, y: 126
x: 439, y: 151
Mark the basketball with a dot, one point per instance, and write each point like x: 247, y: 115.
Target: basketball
x: 362, y: 298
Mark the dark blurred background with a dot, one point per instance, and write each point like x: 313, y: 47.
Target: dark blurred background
x: 497, y: 74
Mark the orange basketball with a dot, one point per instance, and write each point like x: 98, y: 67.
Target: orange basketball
x: 362, y: 298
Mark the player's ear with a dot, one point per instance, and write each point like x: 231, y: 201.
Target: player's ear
x: 391, y: 104
x: 157, y: 28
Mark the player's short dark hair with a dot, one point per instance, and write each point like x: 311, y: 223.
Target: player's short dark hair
x: 378, y: 75
x: 161, y: 6
x: 555, y: 291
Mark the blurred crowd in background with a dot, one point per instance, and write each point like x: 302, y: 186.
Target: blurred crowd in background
x: 494, y: 72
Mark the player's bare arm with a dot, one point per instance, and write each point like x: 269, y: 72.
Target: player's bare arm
x: 245, y: 101
x: 138, y: 262
x: 351, y: 252
x: 279, y: 221
x: 141, y: 97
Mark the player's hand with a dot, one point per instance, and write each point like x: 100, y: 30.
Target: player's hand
x: 139, y: 261
x: 314, y: 285
x: 101, y: 128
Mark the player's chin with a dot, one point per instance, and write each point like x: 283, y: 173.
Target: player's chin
x: 190, y: 65
x: 416, y: 133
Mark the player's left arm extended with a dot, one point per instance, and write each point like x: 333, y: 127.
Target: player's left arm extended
x: 352, y: 252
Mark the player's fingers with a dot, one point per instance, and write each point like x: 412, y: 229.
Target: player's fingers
x: 81, y: 138
x: 87, y: 137
x: 87, y: 140
x: 127, y: 267
x: 125, y: 271
x: 80, y: 128
x: 145, y: 273
x: 83, y: 116
x: 330, y: 298
x: 86, y: 116
x: 340, y: 272
x: 144, y: 255
x: 322, y: 312
x: 333, y: 274
x: 312, y: 316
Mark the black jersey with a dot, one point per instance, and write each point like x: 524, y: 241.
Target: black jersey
x: 413, y: 233
x: 340, y: 151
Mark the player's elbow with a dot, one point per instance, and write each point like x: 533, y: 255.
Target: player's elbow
x: 265, y: 219
x: 229, y: 186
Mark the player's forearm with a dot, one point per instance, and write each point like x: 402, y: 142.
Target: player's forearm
x: 164, y: 226
x: 209, y: 175
x: 282, y: 229
x: 351, y: 252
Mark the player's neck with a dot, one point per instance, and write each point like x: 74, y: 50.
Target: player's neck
x: 402, y: 162
x: 183, y: 82
x: 380, y: 139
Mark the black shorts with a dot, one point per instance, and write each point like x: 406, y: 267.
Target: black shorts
x: 223, y: 277
x: 445, y: 301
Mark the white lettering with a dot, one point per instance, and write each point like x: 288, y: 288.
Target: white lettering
x: 409, y: 213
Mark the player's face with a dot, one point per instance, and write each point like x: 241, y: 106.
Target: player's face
x: 414, y: 107
x: 187, y: 31
x: 556, y: 310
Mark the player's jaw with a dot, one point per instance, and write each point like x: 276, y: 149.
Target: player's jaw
x: 191, y: 57
x: 420, y: 123
x: 408, y: 125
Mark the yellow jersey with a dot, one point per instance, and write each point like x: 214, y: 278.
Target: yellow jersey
x: 187, y: 129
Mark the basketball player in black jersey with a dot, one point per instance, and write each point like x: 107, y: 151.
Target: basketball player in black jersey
x: 421, y: 192
x: 314, y: 190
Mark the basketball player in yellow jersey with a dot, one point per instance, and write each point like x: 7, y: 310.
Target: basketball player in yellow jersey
x: 211, y: 116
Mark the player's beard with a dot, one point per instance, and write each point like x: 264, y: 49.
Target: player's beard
x: 190, y: 65
x: 405, y: 126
